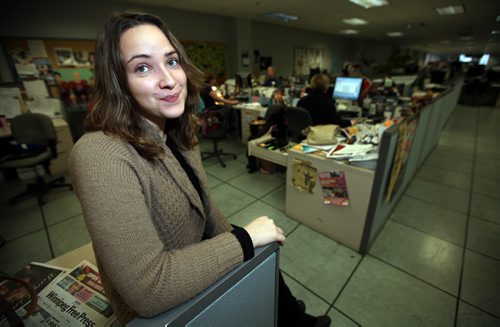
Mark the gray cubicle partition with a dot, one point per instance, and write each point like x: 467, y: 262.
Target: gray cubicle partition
x: 431, y: 121
x: 247, y: 296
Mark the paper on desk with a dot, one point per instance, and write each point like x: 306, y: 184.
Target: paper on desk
x: 349, y: 150
x: 46, y: 106
x: 10, y: 107
x: 36, y: 88
x: 26, y: 69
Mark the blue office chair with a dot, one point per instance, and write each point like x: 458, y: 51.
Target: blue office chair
x: 38, y: 134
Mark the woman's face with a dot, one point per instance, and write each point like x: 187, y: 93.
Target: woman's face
x: 154, y: 75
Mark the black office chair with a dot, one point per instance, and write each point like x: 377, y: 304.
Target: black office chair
x: 219, y: 122
x: 38, y: 133
x: 297, y: 120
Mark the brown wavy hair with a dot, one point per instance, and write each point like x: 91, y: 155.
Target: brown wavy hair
x: 115, y: 111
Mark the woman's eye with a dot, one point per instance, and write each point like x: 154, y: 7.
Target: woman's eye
x: 173, y: 62
x: 142, y: 69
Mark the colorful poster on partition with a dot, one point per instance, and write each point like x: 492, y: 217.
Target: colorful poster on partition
x: 303, y: 175
x: 334, y: 188
x: 407, y: 131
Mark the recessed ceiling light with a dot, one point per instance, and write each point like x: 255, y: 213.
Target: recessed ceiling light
x: 349, y: 32
x: 394, y: 34
x: 495, y: 32
x: 451, y: 10
x: 355, y: 21
x: 498, y: 18
x: 281, y: 16
x: 370, y: 3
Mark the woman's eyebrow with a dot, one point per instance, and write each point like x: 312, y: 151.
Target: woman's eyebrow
x: 139, y: 56
x: 143, y: 55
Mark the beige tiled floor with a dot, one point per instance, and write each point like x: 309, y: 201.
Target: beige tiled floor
x: 435, y: 263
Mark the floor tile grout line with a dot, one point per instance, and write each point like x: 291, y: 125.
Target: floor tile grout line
x: 351, y: 275
x: 485, y: 220
x: 64, y: 220
x: 412, y: 275
x: 307, y: 288
x: 480, y: 309
x: 433, y: 203
x: 466, y: 235
x: 51, y: 248
x: 424, y: 232
x: 483, y: 254
x: 441, y: 184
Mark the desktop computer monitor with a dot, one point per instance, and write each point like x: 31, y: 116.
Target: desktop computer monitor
x: 347, y: 88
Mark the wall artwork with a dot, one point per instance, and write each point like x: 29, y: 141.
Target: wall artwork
x: 306, y: 59
x: 210, y: 57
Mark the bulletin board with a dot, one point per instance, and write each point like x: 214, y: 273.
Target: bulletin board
x: 209, y: 57
x: 305, y: 59
x: 40, y: 58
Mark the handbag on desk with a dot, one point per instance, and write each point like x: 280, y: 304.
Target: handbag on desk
x: 322, y: 134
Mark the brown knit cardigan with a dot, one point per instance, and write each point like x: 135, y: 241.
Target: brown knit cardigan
x: 146, y: 222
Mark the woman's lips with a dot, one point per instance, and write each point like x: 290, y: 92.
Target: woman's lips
x: 171, y: 98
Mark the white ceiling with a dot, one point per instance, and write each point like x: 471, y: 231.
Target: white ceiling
x: 428, y: 31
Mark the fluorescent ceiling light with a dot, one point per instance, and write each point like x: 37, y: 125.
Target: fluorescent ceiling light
x: 394, y: 34
x: 370, y: 3
x: 495, y: 32
x: 498, y: 18
x: 451, y: 10
x: 355, y: 21
x: 467, y: 38
x: 349, y: 32
x: 281, y: 16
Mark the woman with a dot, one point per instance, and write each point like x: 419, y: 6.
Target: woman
x: 158, y: 237
x: 320, y: 106
x: 211, y: 95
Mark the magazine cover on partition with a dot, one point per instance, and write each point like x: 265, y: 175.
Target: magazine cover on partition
x: 334, y: 188
x: 74, y: 298
x: 407, y: 131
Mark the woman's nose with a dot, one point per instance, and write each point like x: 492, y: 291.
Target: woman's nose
x: 167, y: 80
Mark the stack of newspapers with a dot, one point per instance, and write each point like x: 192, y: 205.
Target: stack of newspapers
x: 73, y: 297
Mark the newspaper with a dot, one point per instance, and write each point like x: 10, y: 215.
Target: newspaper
x: 37, y: 274
x: 74, y: 298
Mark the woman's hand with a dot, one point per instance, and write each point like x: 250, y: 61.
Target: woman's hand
x: 263, y: 231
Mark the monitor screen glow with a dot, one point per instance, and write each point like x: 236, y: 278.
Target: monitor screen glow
x: 348, y: 88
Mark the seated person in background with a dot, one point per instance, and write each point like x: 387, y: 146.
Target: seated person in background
x: 390, y: 87
x: 271, y: 79
x: 211, y: 95
x: 320, y: 106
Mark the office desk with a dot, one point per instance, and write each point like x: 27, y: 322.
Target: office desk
x: 339, y: 223
x: 249, y: 112
x: 358, y: 225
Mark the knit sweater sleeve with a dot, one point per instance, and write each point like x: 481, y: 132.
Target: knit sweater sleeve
x: 149, y: 278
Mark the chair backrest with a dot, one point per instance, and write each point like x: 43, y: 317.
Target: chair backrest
x: 297, y: 119
x: 34, y: 128
x: 215, y: 122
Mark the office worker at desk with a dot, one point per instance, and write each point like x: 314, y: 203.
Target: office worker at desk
x: 211, y: 95
x: 158, y: 237
x: 271, y: 79
x: 320, y: 106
